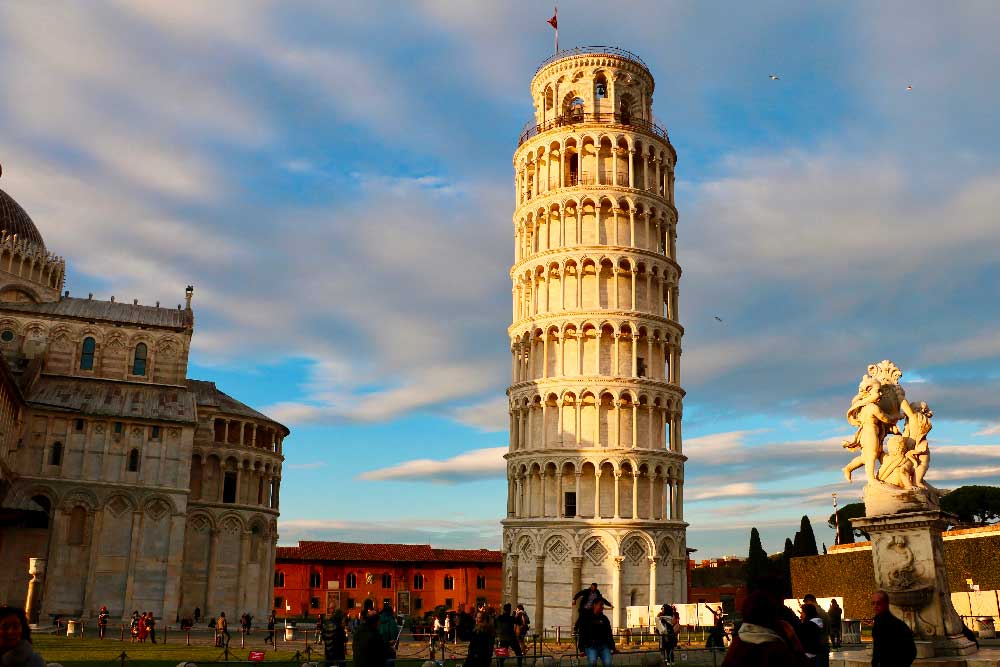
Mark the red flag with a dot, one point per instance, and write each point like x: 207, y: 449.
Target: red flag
x: 554, y: 21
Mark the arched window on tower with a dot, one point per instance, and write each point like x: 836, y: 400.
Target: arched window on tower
x: 56, y: 455
x: 87, y: 354
x: 600, y: 86
x: 133, y: 461
x: 139, y: 361
x: 576, y: 109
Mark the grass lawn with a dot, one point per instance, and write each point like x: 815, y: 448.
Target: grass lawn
x: 69, y: 651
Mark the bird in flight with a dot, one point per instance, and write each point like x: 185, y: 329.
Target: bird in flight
x: 909, y: 87
x: 774, y: 77
x: 718, y: 318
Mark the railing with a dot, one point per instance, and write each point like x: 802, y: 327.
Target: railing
x: 530, y: 130
x: 592, y: 51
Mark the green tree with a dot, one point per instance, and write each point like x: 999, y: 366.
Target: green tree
x: 805, y: 539
x: 846, y: 513
x: 973, y: 504
x: 757, y: 563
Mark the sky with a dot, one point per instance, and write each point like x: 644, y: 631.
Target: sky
x: 335, y: 180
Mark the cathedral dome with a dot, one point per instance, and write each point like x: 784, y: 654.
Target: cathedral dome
x: 15, y: 220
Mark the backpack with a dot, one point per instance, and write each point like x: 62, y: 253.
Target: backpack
x: 667, y: 627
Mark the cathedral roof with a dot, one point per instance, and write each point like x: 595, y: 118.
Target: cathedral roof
x: 15, y: 220
x: 111, y: 398
x: 208, y: 395
x: 108, y: 311
x: 356, y: 551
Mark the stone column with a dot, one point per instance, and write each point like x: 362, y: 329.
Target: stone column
x: 635, y: 494
x: 95, y: 533
x: 618, y: 480
x: 579, y: 499
x: 652, y: 582
x: 514, y: 594
x: 597, y: 494
x: 577, y: 574
x: 33, y: 603
x: 213, y: 555
x: 618, y: 618
x: 241, y: 577
x: 133, y: 556
x: 540, y: 591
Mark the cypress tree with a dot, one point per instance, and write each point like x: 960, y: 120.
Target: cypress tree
x: 806, y: 542
x: 757, y: 563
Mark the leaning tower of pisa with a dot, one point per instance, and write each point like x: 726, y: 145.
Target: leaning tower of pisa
x: 595, y: 468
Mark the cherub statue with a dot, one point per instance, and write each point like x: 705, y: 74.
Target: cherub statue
x: 918, y: 425
x: 897, y: 466
x: 873, y: 424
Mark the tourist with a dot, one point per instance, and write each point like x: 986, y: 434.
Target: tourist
x: 270, y: 628
x: 588, y: 596
x: 836, y: 615
x: 15, y: 640
x: 480, y: 642
x: 810, y: 633
x: 102, y: 622
x: 222, y: 630
x: 892, y: 640
x: 465, y: 624
x: 150, y: 626
x: 521, y: 624
x: 764, y: 639
x: 319, y: 628
x: 369, y: 649
x: 717, y: 635
x: 438, y: 628
x: 506, y: 636
x: 810, y: 599
x: 596, y: 639
x: 669, y: 625
x: 447, y: 626
x: 197, y: 614
x: 335, y: 640
x: 133, y: 627
x: 387, y: 626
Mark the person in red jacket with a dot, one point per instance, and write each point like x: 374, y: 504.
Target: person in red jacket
x: 764, y: 640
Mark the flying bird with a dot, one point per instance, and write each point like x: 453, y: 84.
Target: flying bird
x: 909, y: 87
x: 774, y: 77
x: 718, y: 318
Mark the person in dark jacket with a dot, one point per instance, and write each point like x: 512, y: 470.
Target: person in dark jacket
x: 480, y: 642
x: 370, y: 650
x: 836, y: 617
x: 892, y: 640
x: 506, y: 636
x: 588, y: 596
x: 764, y: 639
x: 596, y: 639
x: 810, y: 633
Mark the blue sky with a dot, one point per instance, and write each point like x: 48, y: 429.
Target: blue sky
x: 335, y: 180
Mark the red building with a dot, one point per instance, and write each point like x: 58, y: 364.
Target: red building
x: 319, y: 577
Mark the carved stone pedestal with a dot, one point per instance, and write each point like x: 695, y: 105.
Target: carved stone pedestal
x: 908, y: 557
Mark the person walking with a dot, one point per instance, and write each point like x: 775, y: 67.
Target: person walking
x: 836, y: 615
x: 151, y: 626
x: 133, y: 627
x: 892, y: 640
x: 506, y: 637
x: 270, y: 629
x: 102, y: 622
x: 596, y: 638
x: 15, y: 640
x: 222, y: 629
x: 521, y: 625
x: 810, y: 634
x: 669, y: 626
x: 810, y: 600
x: 197, y: 614
x: 480, y: 642
x: 387, y: 626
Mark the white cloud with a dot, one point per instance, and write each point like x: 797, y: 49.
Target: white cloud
x: 992, y: 429
x: 476, y: 464
x: 489, y: 416
x: 440, y: 532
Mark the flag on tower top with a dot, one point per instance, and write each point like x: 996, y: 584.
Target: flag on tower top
x: 554, y: 21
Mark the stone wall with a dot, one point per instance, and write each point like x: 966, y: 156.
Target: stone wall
x: 969, y: 554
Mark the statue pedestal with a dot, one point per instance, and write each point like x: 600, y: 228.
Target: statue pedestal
x: 908, y: 558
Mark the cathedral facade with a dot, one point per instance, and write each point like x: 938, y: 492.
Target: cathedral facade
x: 123, y: 483
x: 595, y: 467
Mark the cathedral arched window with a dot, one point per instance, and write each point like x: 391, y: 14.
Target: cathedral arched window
x: 56, y: 455
x: 77, y: 526
x: 133, y: 461
x: 139, y: 362
x: 600, y: 87
x: 87, y: 354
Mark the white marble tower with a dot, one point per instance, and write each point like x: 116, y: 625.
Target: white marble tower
x: 595, y: 468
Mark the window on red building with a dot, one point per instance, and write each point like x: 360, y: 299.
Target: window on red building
x: 481, y: 582
x: 350, y: 603
x: 279, y: 603
x: 418, y: 603
x: 418, y: 582
x: 449, y: 583
x: 314, y: 603
x: 315, y: 580
x: 449, y: 603
x: 351, y: 580
x: 279, y: 579
x: 386, y: 581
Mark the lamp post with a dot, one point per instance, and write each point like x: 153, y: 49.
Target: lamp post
x: 836, y: 519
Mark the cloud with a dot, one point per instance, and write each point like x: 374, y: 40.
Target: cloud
x: 992, y: 429
x: 441, y: 532
x: 477, y: 464
x: 489, y: 416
